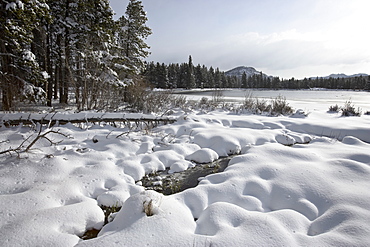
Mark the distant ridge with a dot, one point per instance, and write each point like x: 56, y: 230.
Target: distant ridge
x: 335, y: 76
x: 249, y: 71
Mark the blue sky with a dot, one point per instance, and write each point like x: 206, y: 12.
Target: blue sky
x: 286, y: 38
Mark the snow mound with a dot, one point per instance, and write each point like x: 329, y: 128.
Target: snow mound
x: 285, y: 139
x: 171, y: 222
x: 204, y: 155
x: 302, y: 194
x: 133, y: 209
x: 180, y: 166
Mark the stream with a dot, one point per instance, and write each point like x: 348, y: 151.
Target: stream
x: 168, y: 184
x: 171, y: 183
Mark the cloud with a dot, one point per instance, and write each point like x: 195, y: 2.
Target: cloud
x: 275, y: 51
x: 330, y: 34
x: 285, y: 52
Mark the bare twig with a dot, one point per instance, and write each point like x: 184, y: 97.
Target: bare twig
x: 22, y: 149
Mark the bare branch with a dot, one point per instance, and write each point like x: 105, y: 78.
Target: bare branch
x: 21, y: 149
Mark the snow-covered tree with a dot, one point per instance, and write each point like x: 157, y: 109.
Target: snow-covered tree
x: 83, y: 46
x: 19, y: 68
x: 131, y: 34
x: 62, y: 33
x: 70, y: 44
x: 94, y: 64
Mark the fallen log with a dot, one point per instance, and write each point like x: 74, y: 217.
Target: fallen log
x: 62, y: 119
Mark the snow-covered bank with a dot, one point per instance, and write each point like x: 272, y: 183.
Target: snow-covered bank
x: 298, y: 181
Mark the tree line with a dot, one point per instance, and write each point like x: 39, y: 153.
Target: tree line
x: 186, y: 75
x: 53, y: 49
x: 349, y: 83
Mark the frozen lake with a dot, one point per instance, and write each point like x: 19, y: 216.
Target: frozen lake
x: 297, y: 98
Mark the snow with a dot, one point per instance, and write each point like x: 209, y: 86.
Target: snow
x: 204, y: 155
x: 29, y: 56
x: 14, y: 5
x: 11, y: 5
x: 293, y: 181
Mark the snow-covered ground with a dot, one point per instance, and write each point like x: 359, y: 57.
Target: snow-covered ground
x: 298, y: 181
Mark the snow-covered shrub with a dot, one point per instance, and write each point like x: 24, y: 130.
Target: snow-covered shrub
x: 206, y: 104
x: 262, y: 106
x: 141, y: 99
x: 203, y: 101
x: 217, y: 96
x: 299, y: 113
x: 249, y: 102
x: 334, y: 108
x: 178, y: 101
x: 31, y: 93
x: 163, y: 101
x: 349, y: 110
x: 279, y: 106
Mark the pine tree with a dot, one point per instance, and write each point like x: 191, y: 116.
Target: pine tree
x: 93, y: 51
x: 190, y: 80
x: 217, y: 78
x: 211, y: 78
x: 173, y: 71
x: 62, y: 33
x: 244, y: 80
x: 132, y: 31
x: 18, y: 65
x: 199, y: 76
x: 223, y: 80
x: 82, y: 44
x: 162, y: 76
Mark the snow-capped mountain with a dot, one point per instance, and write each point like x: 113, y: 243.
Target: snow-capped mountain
x: 238, y: 71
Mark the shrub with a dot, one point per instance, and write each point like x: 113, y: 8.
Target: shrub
x: 148, y: 207
x: 349, y: 110
x: 33, y: 94
x: 217, y: 96
x: 334, y: 108
x: 207, y: 104
x: 262, y: 106
x: 178, y: 101
x: 141, y: 99
x: 280, y: 106
x: 249, y: 101
x: 203, y: 101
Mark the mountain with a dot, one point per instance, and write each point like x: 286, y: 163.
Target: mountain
x: 340, y: 76
x: 238, y: 72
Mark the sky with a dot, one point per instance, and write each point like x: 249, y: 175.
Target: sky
x: 285, y: 38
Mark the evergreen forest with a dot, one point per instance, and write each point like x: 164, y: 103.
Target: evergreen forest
x: 50, y: 50
x: 186, y: 75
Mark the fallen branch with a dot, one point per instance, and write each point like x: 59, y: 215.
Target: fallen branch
x: 22, y: 149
